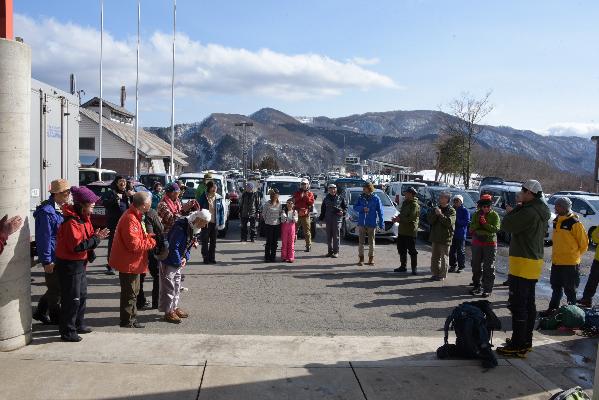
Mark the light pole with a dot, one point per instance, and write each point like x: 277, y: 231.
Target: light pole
x: 596, y: 174
x: 244, y: 124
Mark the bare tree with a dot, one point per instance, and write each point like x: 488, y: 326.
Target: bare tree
x: 464, y: 119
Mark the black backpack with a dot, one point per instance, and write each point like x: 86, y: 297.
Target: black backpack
x: 472, y: 327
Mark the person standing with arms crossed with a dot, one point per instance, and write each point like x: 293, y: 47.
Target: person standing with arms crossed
x: 304, y: 201
x: 332, y: 211
x: 408, y: 219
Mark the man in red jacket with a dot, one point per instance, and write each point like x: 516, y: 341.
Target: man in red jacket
x: 304, y: 201
x: 129, y: 255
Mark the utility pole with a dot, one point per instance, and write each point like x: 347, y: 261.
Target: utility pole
x: 596, y: 173
x: 244, y: 124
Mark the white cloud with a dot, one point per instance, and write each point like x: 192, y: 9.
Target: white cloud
x: 59, y: 49
x: 581, y: 129
x: 365, y: 61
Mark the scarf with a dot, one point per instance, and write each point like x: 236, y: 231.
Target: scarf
x: 173, y: 206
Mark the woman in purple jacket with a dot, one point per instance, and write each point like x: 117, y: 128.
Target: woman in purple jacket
x: 457, y: 251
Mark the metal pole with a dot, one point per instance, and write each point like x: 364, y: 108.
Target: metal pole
x: 172, y: 166
x: 135, y: 172
x: 252, y: 165
x: 101, y: 94
x: 244, y: 145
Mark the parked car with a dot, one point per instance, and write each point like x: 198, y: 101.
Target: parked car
x: 474, y: 194
x: 344, y: 183
x: 395, y: 190
x: 101, y: 188
x: 234, y: 196
x: 149, y: 179
x: 428, y: 197
x: 349, y: 226
x: 287, y: 186
x: 193, y: 179
x: 314, y: 184
x: 503, y: 195
x: 585, y: 206
x: 89, y: 175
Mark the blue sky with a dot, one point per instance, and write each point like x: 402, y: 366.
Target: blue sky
x: 331, y: 57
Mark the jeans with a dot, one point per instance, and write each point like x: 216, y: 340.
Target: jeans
x: 483, y: 266
x: 363, y: 232
x: 73, y: 296
x: 244, y: 228
x: 333, y: 229
x: 129, y: 291
x: 521, y: 303
x: 563, y: 279
x: 457, y: 253
x: 407, y: 245
x: 272, y: 233
x: 208, y: 236
x: 439, y: 260
x: 49, y: 303
x: 592, y: 283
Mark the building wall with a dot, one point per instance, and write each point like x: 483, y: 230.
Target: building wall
x: 112, y: 145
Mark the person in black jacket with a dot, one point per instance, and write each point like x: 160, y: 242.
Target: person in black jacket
x: 153, y: 225
x: 331, y: 212
x: 249, y: 207
x: 116, y: 202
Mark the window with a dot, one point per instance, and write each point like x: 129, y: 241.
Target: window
x: 578, y: 205
x: 87, y: 143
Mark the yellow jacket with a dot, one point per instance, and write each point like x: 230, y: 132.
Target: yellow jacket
x: 570, y: 240
x: 595, y: 237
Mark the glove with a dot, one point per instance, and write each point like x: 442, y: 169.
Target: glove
x: 482, y: 220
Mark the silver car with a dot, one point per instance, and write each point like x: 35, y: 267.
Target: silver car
x: 349, y: 227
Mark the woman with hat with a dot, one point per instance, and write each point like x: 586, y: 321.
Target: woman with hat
x: 47, y: 222
x: 271, y: 213
x: 484, y: 226
x: 76, y: 241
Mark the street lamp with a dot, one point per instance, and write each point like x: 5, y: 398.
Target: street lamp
x: 244, y: 124
x: 596, y: 173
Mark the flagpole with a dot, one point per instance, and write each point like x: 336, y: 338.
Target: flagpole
x: 135, y: 172
x: 172, y: 169
x: 101, y: 49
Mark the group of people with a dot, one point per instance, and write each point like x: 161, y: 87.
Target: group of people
x: 140, y: 240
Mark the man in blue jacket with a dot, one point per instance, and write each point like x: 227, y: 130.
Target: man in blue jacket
x: 368, y: 207
x: 457, y: 251
x: 47, y: 222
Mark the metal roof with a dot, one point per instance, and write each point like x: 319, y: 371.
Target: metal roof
x: 95, y: 102
x: 149, y: 145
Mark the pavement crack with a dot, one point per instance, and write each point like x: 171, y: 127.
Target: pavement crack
x: 202, y: 379
x: 358, y: 379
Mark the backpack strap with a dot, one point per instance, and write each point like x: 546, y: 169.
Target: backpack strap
x: 448, y: 323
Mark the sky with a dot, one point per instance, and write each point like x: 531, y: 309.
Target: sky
x: 334, y: 58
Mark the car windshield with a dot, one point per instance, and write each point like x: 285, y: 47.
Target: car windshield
x: 231, y: 186
x: 468, y: 202
x: 355, y: 195
x: 595, y: 204
x: 285, y: 188
x: 149, y: 179
x: 347, y: 183
x: 192, y: 184
x: 108, y: 176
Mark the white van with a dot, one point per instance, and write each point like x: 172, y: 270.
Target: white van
x: 395, y: 190
x: 89, y: 175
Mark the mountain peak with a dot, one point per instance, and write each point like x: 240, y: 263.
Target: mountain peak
x: 271, y: 116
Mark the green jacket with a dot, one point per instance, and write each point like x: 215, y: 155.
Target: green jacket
x: 528, y: 225
x: 486, y: 233
x: 442, y: 226
x: 409, y: 216
x: 200, y: 190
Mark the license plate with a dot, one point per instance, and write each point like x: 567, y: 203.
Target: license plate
x: 100, y: 211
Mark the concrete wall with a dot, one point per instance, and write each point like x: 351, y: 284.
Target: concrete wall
x: 15, y: 277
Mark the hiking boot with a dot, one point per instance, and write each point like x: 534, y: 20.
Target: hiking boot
x: 84, y: 330
x: 527, y: 346
x: 335, y: 255
x: 73, y: 338
x: 308, y: 248
x: 547, y: 313
x: 38, y: 316
x: 451, y: 269
x: 477, y: 291
x: 172, y: 318
x: 460, y: 269
x: 485, y: 294
x: 510, y: 351
x: 414, y: 272
x: 180, y: 313
x: 329, y: 255
x: 400, y: 269
x: 582, y: 303
x: 370, y: 261
x: 360, y: 260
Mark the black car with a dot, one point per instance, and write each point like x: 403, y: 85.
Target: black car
x: 428, y: 197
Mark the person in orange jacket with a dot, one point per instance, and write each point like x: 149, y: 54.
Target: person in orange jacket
x: 75, y: 244
x: 129, y: 255
x: 304, y: 201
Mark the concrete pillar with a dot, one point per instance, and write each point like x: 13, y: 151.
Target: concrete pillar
x: 15, y: 275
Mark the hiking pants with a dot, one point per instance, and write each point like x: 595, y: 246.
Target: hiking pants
x: 49, y: 303
x: 333, y: 229
x: 521, y: 303
x: 407, y: 245
x: 457, y: 253
x: 208, y: 236
x: 272, y: 233
x: 244, y: 228
x: 439, y: 260
x: 563, y: 279
x: 73, y: 296
x: 129, y: 292
x: 483, y: 266
x: 364, y: 231
x: 592, y: 283
x: 305, y: 223
x: 170, y: 288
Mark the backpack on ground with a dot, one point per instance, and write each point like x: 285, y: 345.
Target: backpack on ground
x: 571, y: 316
x: 549, y: 322
x: 472, y: 334
x: 576, y: 393
x: 591, y: 322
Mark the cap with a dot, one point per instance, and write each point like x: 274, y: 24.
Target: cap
x: 305, y: 181
x: 332, y: 186
x: 458, y: 197
x: 172, y: 187
x: 533, y: 186
x: 249, y: 187
x: 59, y: 186
x: 410, y: 189
x: 564, y: 202
x: 485, y: 200
x: 207, y: 175
x: 81, y: 194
